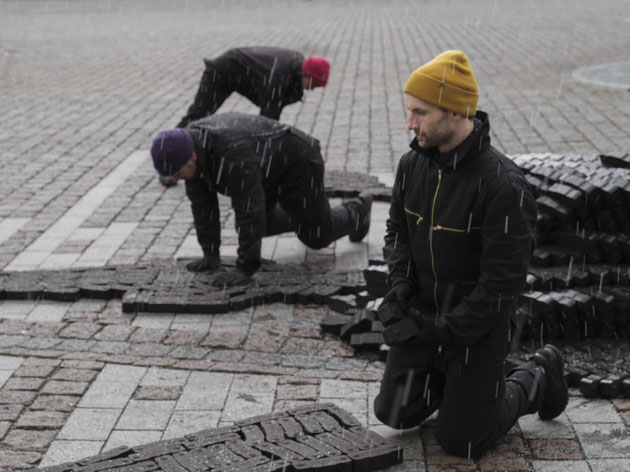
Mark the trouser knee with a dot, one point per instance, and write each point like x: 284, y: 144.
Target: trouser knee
x: 462, y: 446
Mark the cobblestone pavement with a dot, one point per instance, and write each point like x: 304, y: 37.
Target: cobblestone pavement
x: 83, y: 87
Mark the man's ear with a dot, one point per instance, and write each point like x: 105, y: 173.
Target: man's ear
x: 194, y: 156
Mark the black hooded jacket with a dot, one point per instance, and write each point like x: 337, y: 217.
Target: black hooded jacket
x: 240, y: 156
x: 269, y: 77
x: 464, y: 219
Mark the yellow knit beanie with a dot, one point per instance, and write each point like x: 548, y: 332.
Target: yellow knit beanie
x: 448, y: 82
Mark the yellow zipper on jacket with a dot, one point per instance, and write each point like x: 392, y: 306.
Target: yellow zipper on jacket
x: 435, y: 285
x: 420, y: 218
x: 444, y: 228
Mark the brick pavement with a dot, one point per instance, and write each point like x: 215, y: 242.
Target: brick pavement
x: 84, y: 86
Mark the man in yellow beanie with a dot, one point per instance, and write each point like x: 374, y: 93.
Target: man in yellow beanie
x: 459, y: 236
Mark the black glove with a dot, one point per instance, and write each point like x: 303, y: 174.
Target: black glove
x: 395, y: 305
x: 232, y: 277
x: 208, y: 262
x: 417, y: 329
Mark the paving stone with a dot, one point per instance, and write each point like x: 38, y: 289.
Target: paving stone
x: 609, y: 465
x: 29, y: 440
x: 148, y: 335
x: 49, y: 329
x: 76, y: 364
x: 40, y: 362
x: 556, y: 449
x: 224, y: 339
x: 79, y: 330
x: 148, y: 349
x: 263, y: 342
x: 64, y: 388
x: 16, y: 460
x: 10, y: 412
x: 94, y: 424
x: 581, y: 410
x: 183, y: 337
x: 189, y: 352
x: 110, y: 347
x: 155, y: 392
x: 507, y: 455
x: 561, y: 466
x: 64, y: 451
x: 41, y: 419
x: 296, y: 392
x: 533, y: 427
x: 302, y: 346
x: 4, y: 428
x: 64, y: 403
x: 601, y: 440
x: 194, y: 364
x: 115, y: 333
x: 21, y: 397
x: 146, y: 414
x: 103, y: 394
x: 24, y: 383
x: 76, y: 375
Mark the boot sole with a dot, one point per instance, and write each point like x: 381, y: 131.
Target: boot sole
x: 558, y: 364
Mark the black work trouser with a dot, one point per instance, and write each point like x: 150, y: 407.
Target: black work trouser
x: 297, y: 201
x: 213, y: 91
x: 477, y: 403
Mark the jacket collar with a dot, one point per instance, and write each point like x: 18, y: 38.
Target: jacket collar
x: 474, y: 144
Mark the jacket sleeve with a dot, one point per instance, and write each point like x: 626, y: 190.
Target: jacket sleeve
x: 206, y: 217
x: 273, y: 113
x: 507, y: 237
x: 397, y: 249
x: 248, y: 202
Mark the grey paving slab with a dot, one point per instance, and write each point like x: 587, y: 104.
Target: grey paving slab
x: 561, y: 466
x: 61, y: 451
x: 584, y: 410
x: 121, y: 373
x: 108, y: 394
x: 130, y: 438
x: 92, y: 424
x: 342, y: 389
x: 157, y: 376
x: 603, y: 440
x: 533, y: 427
x: 609, y: 465
x: 183, y: 422
x: 146, y: 414
x: 205, y: 391
x: 249, y: 395
x: 10, y: 363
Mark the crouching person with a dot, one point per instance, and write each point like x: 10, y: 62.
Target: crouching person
x: 458, y: 241
x: 274, y: 175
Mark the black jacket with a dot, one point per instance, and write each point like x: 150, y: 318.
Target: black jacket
x: 240, y: 156
x: 269, y: 77
x: 464, y: 219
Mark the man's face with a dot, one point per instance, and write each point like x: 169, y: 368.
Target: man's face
x: 433, y: 126
x: 188, y: 171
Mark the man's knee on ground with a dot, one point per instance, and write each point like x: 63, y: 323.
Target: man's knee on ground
x: 398, y: 419
x: 314, y: 243
x: 458, y: 443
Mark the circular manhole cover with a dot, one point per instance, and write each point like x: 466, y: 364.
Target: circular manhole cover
x: 616, y: 74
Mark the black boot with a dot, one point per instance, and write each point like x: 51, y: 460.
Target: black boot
x: 360, y: 208
x: 556, y: 392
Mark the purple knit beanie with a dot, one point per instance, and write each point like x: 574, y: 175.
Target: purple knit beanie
x: 171, y: 150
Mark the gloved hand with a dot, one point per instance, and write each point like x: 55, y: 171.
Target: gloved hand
x: 232, y: 277
x: 417, y: 329
x: 395, y: 305
x: 209, y: 262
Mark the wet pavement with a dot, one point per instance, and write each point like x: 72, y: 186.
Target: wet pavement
x: 84, y: 85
